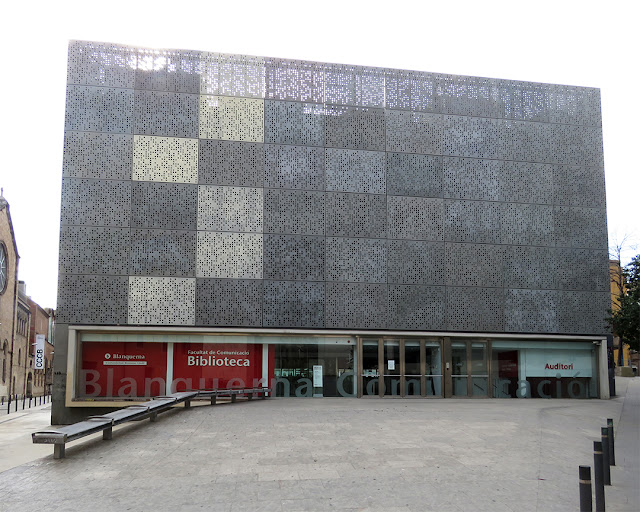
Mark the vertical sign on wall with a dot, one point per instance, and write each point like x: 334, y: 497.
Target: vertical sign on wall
x: 39, y: 352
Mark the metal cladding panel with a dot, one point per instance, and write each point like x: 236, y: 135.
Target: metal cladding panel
x: 475, y: 309
x: 414, y: 132
x: 576, y: 185
x: 168, y: 70
x: 99, y: 109
x: 531, y: 311
x: 414, y: 175
x: 356, y: 128
x: 356, y: 306
x: 527, y: 182
x: 102, y: 64
x: 97, y: 155
x: 474, y: 264
x: 293, y: 304
x: 165, y: 159
x: 359, y: 260
x: 580, y: 227
x: 416, y: 307
x: 415, y: 218
x: 229, y: 255
x: 294, y: 167
x: 222, y: 162
x: 162, y: 301
x: 472, y: 178
x: 236, y: 209
x: 530, y: 267
x: 527, y: 224
x: 582, y: 269
x: 232, y: 190
x: 94, y: 250
x: 294, y: 212
x: 416, y: 262
x: 581, y: 311
x: 229, y: 302
x: 88, y: 202
x: 92, y: 299
x: 164, y: 205
x: 288, y: 122
x: 166, y: 114
x: 350, y: 170
x: 356, y: 215
x: 472, y: 221
x: 294, y: 257
x: 159, y: 252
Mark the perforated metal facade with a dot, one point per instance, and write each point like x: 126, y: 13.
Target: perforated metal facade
x: 204, y: 189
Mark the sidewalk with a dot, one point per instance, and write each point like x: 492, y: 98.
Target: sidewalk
x: 334, y: 454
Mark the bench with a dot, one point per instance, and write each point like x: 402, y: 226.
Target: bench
x: 105, y: 422
x: 233, y: 393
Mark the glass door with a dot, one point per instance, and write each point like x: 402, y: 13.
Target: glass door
x: 469, y: 366
x: 391, y: 368
x: 413, y: 381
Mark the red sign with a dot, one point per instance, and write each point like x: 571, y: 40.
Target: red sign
x: 123, y: 369
x: 211, y: 366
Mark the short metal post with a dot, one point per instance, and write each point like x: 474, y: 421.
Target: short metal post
x: 154, y: 417
x: 187, y: 404
x: 612, y: 443
x: 213, y: 399
x: 23, y: 401
x: 29, y: 402
x: 8, y: 405
x: 598, y: 474
x: 107, y: 434
x: 16, y: 402
x: 604, y: 435
x: 58, y: 451
x: 585, y: 488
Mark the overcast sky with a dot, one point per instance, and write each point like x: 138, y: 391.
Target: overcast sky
x: 583, y: 43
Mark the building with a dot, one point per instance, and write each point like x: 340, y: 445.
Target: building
x: 331, y: 230
x: 42, y: 321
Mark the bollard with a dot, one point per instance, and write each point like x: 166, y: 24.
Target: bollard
x: 24, y: 398
x: 29, y: 402
x: 585, y: 488
x: 598, y: 475
x: 612, y: 443
x: 606, y: 468
x: 8, y: 405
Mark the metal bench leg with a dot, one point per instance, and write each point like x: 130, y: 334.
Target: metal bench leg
x: 107, y: 434
x: 264, y: 395
x: 233, y: 398
x: 250, y: 396
x: 213, y: 400
x: 154, y: 417
x: 187, y: 404
x: 58, y: 451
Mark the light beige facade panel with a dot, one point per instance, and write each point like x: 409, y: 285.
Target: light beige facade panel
x: 165, y: 159
x: 232, y: 75
x: 226, y: 118
x: 162, y: 300
x: 229, y: 255
x: 222, y: 208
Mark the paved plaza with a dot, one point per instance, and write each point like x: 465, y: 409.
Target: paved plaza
x: 331, y: 454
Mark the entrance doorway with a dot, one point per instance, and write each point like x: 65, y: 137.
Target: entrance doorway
x: 397, y: 367
x: 468, y: 369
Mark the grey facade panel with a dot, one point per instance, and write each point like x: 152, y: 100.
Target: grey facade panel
x: 229, y: 302
x: 92, y: 299
x: 576, y: 185
x: 95, y: 202
x: 97, y: 155
x: 416, y: 262
x: 472, y: 178
x: 99, y: 109
x: 294, y: 257
x: 360, y: 260
x: 580, y: 227
x: 101, y: 64
x: 581, y: 311
x: 354, y: 128
x: 475, y: 264
x: 161, y: 252
x: 164, y: 205
x: 166, y: 113
x: 415, y: 218
x: 94, y: 250
x: 582, y: 269
x: 416, y: 307
x: 527, y: 224
x: 356, y: 215
x: 531, y: 311
x: 287, y: 122
x: 293, y: 304
x: 411, y: 132
x: 356, y: 306
x: 527, y: 182
x: 475, y: 309
x: 472, y: 221
x: 294, y: 167
x: 223, y: 162
x: 296, y: 212
x: 530, y: 267
x: 414, y: 175
x: 180, y: 72
x: 356, y: 171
